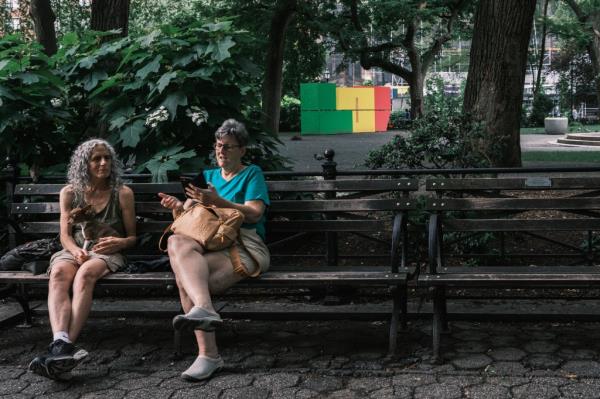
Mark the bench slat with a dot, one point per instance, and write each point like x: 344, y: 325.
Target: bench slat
x: 273, y: 185
x: 521, y: 204
x: 359, y: 277
x: 531, y: 183
x: 274, y: 226
x: 520, y: 224
x: 276, y: 206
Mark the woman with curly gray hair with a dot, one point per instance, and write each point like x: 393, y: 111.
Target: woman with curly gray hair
x: 95, y: 183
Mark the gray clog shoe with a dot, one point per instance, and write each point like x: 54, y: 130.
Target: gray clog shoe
x: 198, y: 319
x: 203, y: 368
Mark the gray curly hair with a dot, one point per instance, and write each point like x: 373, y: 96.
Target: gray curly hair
x: 233, y: 128
x: 78, y: 172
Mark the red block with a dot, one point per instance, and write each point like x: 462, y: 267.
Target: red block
x: 383, y: 98
x: 382, y: 119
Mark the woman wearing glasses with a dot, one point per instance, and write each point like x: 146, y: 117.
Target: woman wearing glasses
x: 200, y: 273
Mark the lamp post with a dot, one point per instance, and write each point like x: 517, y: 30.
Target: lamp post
x: 327, y: 74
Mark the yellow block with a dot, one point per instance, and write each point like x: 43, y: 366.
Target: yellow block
x: 355, y: 98
x: 363, y: 121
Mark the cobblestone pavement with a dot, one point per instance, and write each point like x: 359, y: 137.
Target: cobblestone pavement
x: 132, y: 358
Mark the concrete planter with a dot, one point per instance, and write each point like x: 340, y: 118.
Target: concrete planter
x: 556, y: 125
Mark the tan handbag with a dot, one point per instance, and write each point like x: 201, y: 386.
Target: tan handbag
x: 214, y: 228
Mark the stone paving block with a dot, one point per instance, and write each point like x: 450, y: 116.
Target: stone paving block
x: 276, y: 381
x: 12, y: 386
x: 306, y: 394
x: 581, y: 389
x: 396, y: 392
x: 413, y: 380
x: 581, y: 368
x: 227, y: 381
x: 542, y: 362
x: 487, y: 391
x: 320, y: 384
x: 471, y: 362
x: 369, y: 384
x: 149, y: 393
x: 472, y: 347
x: 540, y: 347
x: 139, y: 383
x: 108, y: 393
x: 7, y: 373
x: 434, y: 391
x: 203, y: 392
x: 245, y: 393
x: 506, y: 369
x: 506, y: 354
x: 460, y: 380
x: 535, y: 390
x: 577, y: 354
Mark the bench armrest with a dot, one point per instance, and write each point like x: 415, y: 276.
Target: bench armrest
x: 434, y: 244
x: 399, y: 238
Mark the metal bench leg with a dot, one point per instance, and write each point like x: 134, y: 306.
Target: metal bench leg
x: 23, y: 299
x: 404, y: 303
x: 436, y: 325
x: 393, y: 341
x: 177, y: 344
x: 445, y: 327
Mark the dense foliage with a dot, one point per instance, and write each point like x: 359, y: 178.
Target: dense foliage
x: 158, y: 97
x: 444, y: 137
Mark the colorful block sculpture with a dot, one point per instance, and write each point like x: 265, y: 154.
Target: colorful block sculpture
x: 326, y: 109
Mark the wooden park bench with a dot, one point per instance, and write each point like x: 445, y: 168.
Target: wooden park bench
x: 505, y: 216
x: 330, y: 210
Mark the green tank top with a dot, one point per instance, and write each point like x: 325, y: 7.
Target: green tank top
x: 111, y: 215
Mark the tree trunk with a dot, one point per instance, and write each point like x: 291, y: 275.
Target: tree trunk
x: 110, y: 14
x: 538, y: 82
x: 43, y: 23
x: 416, y: 94
x: 494, y: 90
x: 271, y: 98
x: 594, y: 50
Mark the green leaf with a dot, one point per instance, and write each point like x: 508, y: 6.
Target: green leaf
x: 107, y: 84
x: 28, y: 77
x: 120, y: 117
x: 165, y: 80
x: 221, y: 49
x: 204, y: 73
x: 130, y: 135
x: 184, y: 60
x: 173, y: 101
x: 152, y: 66
x: 4, y: 63
x: 87, y: 62
x: 146, y: 41
x: 91, y: 80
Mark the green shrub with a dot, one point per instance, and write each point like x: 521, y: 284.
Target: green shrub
x: 158, y: 98
x: 444, y: 137
x: 289, y: 118
x: 541, y: 108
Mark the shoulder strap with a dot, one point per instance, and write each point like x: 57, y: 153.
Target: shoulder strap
x: 236, y: 261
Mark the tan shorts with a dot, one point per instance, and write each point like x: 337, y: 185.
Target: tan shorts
x: 113, y: 261
x: 257, y: 247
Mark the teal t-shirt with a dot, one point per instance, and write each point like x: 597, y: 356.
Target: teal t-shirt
x: 248, y: 185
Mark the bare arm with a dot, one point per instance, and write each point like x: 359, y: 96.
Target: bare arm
x: 252, y: 210
x: 66, y: 238
x: 109, y: 245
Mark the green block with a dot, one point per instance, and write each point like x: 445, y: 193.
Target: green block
x: 309, y: 122
x: 317, y: 96
x: 332, y: 122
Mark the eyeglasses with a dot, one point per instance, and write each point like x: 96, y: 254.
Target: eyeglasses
x: 225, y: 147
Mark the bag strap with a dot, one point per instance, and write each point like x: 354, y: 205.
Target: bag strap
x: 165, y: 232
x: 236, y: 261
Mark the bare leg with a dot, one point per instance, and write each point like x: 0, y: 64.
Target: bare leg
x: 59, y: 302
x: 191, y: 268
x: 83, y: 289
x: 221, y: 277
